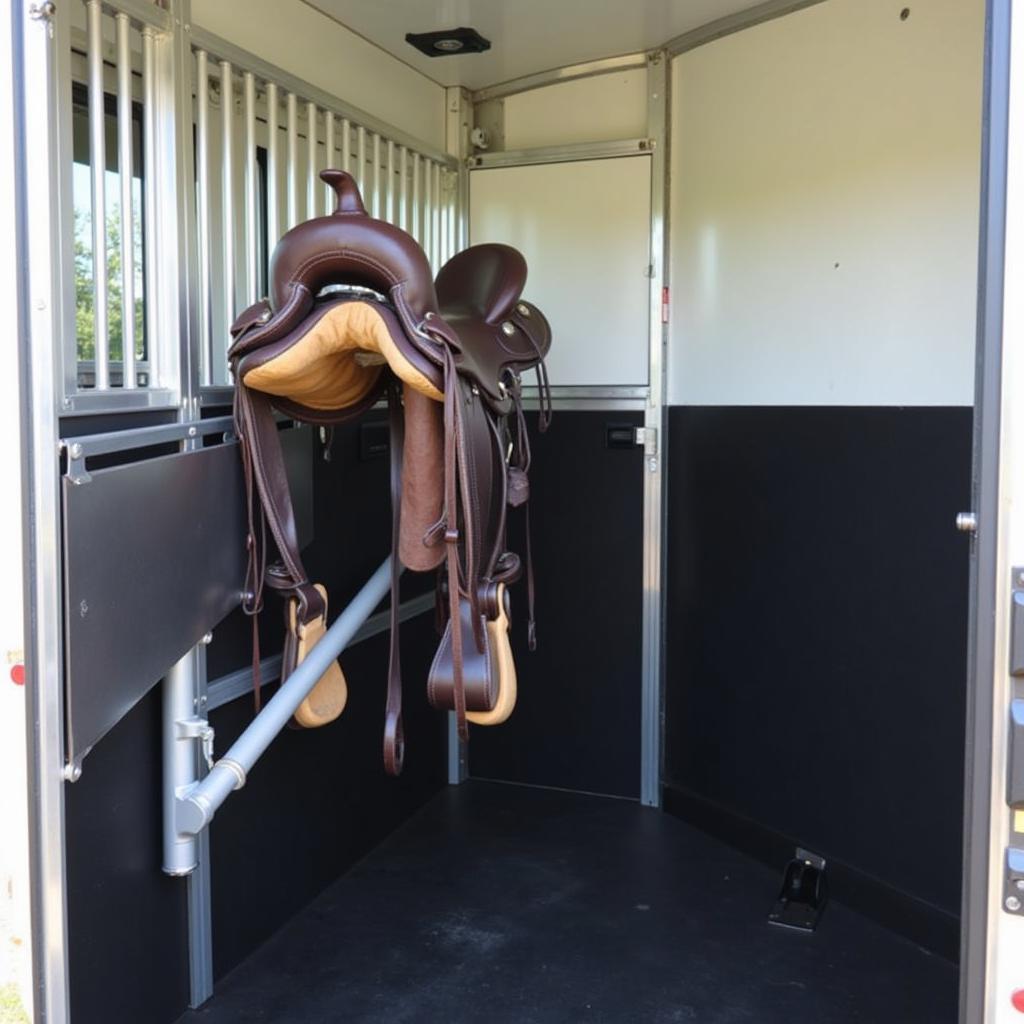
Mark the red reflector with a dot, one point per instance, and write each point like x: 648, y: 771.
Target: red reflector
x: 18, y: 675
x: 1018, y: 1000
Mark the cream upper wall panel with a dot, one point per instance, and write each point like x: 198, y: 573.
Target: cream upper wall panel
x: 584, y: 229
x: 597, y: 109
x: 303, y: 41
x: 825, y: 196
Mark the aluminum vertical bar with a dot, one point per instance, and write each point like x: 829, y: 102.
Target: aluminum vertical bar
x: 180, y: 760
x: 416, y: 221
x: 203, y: 215
x: 427, y: 241
x: 311, y: 161
x: 392, y: 184
x: 197, y: 809
x: 435, y: 232
x: 200, y: 925
x: 293, y: 161
x: 98, y: 172
x: 403, y: 188
x: 346, y: 145
x: 227, y: 199
x: 273, y: 168
x: 151, y: 256
x: 124, y: 168
x: 252, y: 282
x: 376, y: 207
x: 360, y: 168
x: 329, y: 144
x: 445, y: 220
x: 40, y: 204
x: 654, y: 453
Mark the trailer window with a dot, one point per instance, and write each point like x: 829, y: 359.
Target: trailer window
x: 83, y: 248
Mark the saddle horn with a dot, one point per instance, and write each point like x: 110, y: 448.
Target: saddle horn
x: 346, y: 189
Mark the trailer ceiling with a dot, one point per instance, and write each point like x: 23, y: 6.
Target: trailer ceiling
x: 527, y: 36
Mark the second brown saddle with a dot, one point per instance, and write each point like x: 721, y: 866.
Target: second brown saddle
x: 354, y: 315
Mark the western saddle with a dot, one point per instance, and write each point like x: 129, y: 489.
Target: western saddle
x: 354, y: 316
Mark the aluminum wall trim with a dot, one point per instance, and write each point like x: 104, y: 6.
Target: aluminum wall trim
x: 654, y: 457
x: 36, y: 76
x: 731, y: 23
x: 225, y: 50
x: 142, y: 437
x: 983, y: 775
x: 587, y: 69
x: 562, y: 154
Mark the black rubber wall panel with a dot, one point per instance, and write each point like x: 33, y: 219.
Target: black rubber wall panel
x: 816, y: 630
x: 315, y: 802
x: 577, y: 721
x: 127, y: 925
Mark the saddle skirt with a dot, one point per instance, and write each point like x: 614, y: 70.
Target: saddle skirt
x: 354, y: 316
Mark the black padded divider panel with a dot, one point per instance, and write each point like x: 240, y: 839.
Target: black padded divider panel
x: 318, y: 800
x: 577, y: 721
x: 816, y: 630
x: 127, y: 922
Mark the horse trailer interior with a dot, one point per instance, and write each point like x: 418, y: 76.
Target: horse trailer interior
x: 764, y: 628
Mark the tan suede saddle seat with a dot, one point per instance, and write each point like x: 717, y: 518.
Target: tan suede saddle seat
x: 353, y: 316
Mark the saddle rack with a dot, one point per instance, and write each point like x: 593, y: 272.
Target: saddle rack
x: 190, y: 800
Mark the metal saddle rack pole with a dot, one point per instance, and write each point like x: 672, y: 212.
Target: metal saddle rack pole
x: 190, y: 803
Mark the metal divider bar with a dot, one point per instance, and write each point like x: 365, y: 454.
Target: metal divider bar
x: 415, y: 222
x: 392, y: 185
x: 150, y: 252
x: 329, y: 145
x: 311, y: 178
x: 435, y: 233
x: 403, y: 188
x: 124, y: 167
x: 252, y: 279
x: 375, y: 177
x: 98, y: 169
x: 227, y: 199
x: 203, y: 214
x: 273, y: 167
x: 189, y: 805
x: 360, y: 173
x: 293, y: 161
x: 346, y: 145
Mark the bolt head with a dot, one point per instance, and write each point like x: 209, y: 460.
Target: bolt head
x: 508, y: 328
x: 1012, y: 904
x: 75, y: 451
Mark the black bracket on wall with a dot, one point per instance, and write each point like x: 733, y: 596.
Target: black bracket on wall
x: 803, y: 895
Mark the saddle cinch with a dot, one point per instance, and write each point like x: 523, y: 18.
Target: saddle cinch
x: 353, y: 316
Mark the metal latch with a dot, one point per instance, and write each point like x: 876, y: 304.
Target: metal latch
x: 198, y: 729
x: 1013, y: 891
x: 648, y: 437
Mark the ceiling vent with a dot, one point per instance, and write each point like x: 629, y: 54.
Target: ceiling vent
x: 448, y: 42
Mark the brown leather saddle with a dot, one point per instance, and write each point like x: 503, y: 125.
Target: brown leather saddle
x: 354, y: 316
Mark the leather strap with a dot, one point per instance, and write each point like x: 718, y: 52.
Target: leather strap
x: 394, y: 736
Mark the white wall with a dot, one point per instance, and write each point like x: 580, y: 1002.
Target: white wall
x: 598, y: 109
x: 825, y: 173
x: 584, y: 229
x: 293, y: 36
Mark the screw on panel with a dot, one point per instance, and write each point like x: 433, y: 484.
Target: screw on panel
x: 1012, y: 904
